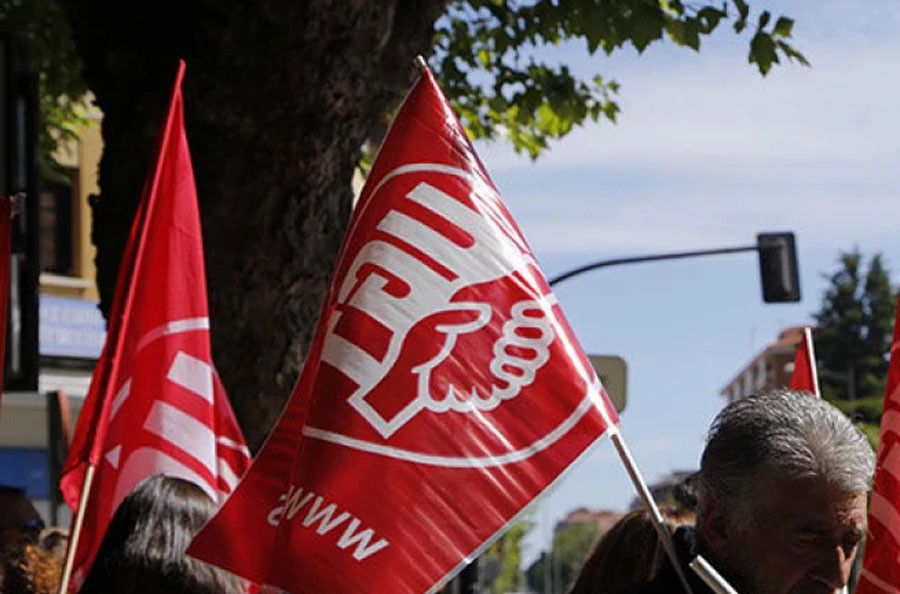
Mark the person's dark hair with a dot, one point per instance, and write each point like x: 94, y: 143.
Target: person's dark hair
x: 34, y: 566
x: 143, y: 549
x: 627, y: 554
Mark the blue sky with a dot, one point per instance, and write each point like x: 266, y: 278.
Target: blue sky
x: 706, y: 154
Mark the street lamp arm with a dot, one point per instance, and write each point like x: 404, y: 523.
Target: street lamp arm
x: 650, y: 258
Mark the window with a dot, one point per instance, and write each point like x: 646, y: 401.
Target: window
x: 55, y: 202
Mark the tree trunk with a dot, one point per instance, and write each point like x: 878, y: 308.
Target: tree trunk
x: 280, y: 96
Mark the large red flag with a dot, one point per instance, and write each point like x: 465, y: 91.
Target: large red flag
x: 442, y: 393
x: 804, y: 376
x: 881, y: 565
x: 156, y: 405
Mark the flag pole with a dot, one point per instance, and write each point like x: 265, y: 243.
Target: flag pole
x: 807, y: 336
x: 710, y: 576
x: 662, y: 530
x: 76, y: 529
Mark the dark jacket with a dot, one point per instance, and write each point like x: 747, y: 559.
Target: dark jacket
x: 666, y: 581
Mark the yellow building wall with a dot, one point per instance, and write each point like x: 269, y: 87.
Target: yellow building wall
x: 83, y: 157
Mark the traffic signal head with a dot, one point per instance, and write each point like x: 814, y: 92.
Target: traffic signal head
x: 778, y: 267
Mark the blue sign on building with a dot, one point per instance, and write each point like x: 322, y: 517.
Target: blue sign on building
x: 70, y: 328
x: 26, y: 468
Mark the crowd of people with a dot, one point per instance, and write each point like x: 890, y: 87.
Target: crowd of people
x: 777, y: 507
x: 141, y: 553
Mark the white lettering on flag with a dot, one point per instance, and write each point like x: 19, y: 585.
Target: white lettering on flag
x: 354, y: 533
x: 293, y: 502
x: 324, y: 517
x: 363, y: 549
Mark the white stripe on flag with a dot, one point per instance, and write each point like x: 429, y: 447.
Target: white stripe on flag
x: 184, y: 432
x: 227, y: 475
x: 175, y: 327
x: 233, y: 445
x: 192, y: 374
x: 120, y: 399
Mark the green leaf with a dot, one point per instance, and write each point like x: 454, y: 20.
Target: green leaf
x: 743, y: 12
x: 783, y: 27
x: 685, y: 33
x: 710, y: 18
x: 648, y: 23
x: 764, y: 18
x: 762, y: 52
x: 791, y: 53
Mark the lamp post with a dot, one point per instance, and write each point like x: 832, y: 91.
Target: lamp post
x: 777, y: 264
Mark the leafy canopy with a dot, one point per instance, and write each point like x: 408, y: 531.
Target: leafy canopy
x: 45, y: 38
x: 485, y: 58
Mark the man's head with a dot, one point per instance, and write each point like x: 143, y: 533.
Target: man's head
x: 782, y: 489
x: 17, y: 517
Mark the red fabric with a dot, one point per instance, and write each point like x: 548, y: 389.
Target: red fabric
x: 881, y: 565
x: 442, y: 393
x: 5, y: 255
x: 802, y: 377
x: 156, y: 405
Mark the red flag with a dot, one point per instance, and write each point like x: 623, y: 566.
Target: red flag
x: 804, y: 376
x: 5, y: 256
x: 881, y: 564
x: 442, y: 393
x: 156, y: 405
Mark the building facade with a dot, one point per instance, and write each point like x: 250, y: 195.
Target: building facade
x: 34, y: 425
x: 769, y: 369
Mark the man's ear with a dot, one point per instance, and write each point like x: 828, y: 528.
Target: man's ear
x: 715, y: 528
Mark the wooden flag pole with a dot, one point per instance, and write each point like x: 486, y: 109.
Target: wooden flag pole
x: 76, y: 529
x: 807, y: 336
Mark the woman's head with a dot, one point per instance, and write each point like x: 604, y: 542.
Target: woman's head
x: 143, y: 549
x: 628, y: 553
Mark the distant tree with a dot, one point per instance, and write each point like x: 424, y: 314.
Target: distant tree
x: 855, y: 324
x: 504, y: 558
x: 571, y: 546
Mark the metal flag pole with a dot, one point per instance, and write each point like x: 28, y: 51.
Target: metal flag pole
x: 640, y: 485
x: 710, y: 576
x: 76, y: 529
x: 807, y: 336
x: 662, y: 530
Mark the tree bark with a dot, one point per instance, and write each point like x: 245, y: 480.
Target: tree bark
x: 280, y: 96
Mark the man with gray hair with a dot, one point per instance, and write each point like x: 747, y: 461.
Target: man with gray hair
x: 782, y: 498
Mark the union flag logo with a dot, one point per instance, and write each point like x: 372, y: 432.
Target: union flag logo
x: 441, y: 316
